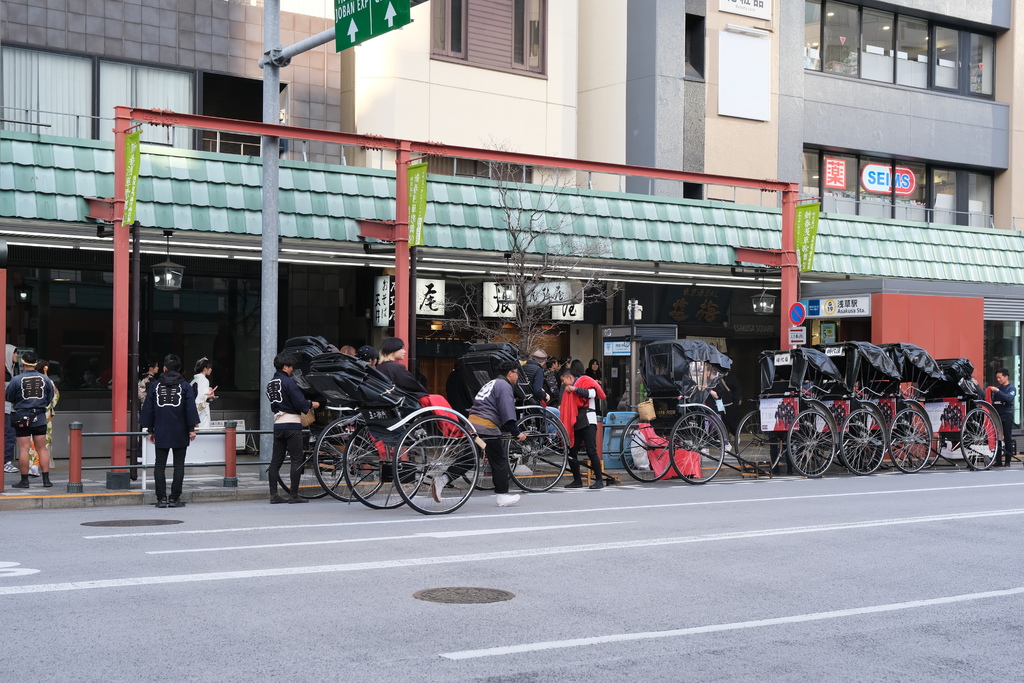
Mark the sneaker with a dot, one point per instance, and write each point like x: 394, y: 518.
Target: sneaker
x: 277, y: 500
x: 175, y: 503
x: 9, y: 468
x: 297, y: 499
x: 435, y: 489
x: 574, y: 485
x: 33, y: 471
x: 599, y: 484
x: 161, y: 502
x: 506, y: 500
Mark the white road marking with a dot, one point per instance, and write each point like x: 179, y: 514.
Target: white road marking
x: 717, y: 628
x: 430, y: 534
x: 424, y: 519
x: 484, y: 557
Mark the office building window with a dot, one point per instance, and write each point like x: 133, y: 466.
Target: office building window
x: 979, y: 200
x: 877, y: 41
x: 448, y: 23
x: 981, y: 52
x: 811, y: 186
x: 876, y: 187
x: 862, y: 42
x: 842, y: 38
x: 47, y: 93
x: 839, y: 183
x: 911, y: 192
x: 148, y: 88
x: 912, y: 52
x: 527, y: 27
x: 812, y: 35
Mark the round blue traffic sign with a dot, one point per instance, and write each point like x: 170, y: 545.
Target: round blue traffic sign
x: 797, y: 313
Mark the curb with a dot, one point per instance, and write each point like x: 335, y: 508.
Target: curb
x: 64, y: 501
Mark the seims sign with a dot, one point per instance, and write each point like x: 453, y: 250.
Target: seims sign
x: 881, y: 179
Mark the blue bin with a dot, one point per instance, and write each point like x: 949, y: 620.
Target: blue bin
x: 611, y: 446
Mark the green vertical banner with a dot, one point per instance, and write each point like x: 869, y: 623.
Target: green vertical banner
x: 417, y: 203
x: 806, y: 233
x: 132, y: 156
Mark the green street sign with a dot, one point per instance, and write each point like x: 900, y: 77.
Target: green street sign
x: 359, y: 20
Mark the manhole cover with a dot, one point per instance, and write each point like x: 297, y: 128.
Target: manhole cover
x: 133, y: 522
x: 463, y: 595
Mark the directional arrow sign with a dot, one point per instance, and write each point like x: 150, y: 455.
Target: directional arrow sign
x: 358, y: 20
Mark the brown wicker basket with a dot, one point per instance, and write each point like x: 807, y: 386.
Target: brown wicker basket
x: 645, y: 409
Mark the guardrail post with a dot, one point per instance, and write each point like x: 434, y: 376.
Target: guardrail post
x: 230, y: 470
x: 75, y: 458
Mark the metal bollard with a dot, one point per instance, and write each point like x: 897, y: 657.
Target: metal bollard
x: 75, y: 458
x: 230, y: 466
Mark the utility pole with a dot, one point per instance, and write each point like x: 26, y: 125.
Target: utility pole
x: 635, y: 310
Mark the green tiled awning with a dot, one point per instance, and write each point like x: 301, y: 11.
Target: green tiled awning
x: 50, y: 179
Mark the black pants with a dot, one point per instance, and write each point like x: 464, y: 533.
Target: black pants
x: 160, y: 476
x: 1007, y: 439
x: 10, y: 441
x: 586, y: 437
x: 290, y: 441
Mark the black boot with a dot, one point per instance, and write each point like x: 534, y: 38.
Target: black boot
x: 23, y: 484
x: 577, y: 477
x: 595, y: 464
x: 46, y: 481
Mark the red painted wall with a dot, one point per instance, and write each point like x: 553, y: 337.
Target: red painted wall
x: 944, y: 326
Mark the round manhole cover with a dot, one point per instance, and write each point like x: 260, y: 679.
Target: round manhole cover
x: 133, y: 522
x: 463, y: 595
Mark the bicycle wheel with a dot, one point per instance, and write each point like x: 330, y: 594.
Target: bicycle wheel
x: 329, y: 455
x: 863, y: 441
x: 979, y: 440
x: 910, y: 441
x: 753, y: 445
x: 811, y: 443
x: 696, y: 446
x: 539, y: 462
x: 644, y: 461
x: 368, y: 471
x: 309, y: 486
x: 430, y: 460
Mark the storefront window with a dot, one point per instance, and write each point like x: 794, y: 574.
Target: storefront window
x: 911, y: 192
x: 842, y: 39
x: 812, y: 35
x: 912, y: 52
x: 1002, y: 350
x: 839, y: 184
x: 946, y: 57
x: 876, y: 54
x: 979, y: 200
x: 981, y: 64
x: 875, y: 187
x: 944, y: 192
x: 812, y: 171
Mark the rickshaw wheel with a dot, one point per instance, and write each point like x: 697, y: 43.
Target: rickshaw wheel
x: 753, y: 445
x: 634, y: 442
x: 329, y: 457
x: 910, y: 441
x: 863, y: 441
x: 537, y: 463
x: 431, y: 448
x: 368, y: 471
x: 703, y: 433
x: 979, y: 440
x: 811, y: 443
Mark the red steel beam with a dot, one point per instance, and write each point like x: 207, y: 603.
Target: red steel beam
x: 120, y: 376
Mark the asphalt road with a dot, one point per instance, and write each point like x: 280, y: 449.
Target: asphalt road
x: 888, y: 577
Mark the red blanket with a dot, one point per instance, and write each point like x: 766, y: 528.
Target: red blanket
x: 569, y: 408
x: 657, y: 453
x: 447, y: 429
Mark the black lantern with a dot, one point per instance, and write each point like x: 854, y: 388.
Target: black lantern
x: 763, y: 303
x: 167, y: 275
x: 23, y: 292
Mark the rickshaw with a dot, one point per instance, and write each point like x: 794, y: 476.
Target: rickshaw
x: 793, y: 417
x: 675, y: 430
x: 911, y: 432
x: 969, y: 427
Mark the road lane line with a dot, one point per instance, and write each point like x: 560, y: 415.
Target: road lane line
x: 484, y: 557
x: 735, y: 626
x: 654, y: 506
x: 429, y: 534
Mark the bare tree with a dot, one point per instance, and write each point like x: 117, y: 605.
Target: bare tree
x: 547, y: 266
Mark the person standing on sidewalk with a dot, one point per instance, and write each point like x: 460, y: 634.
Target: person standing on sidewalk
x: 29, y: 394
x: 578, y: 412
x: 204, y: 392
x: 288, y: 404
x: 169, y: 413
x: 1003, y: 398
x: 10, y: 441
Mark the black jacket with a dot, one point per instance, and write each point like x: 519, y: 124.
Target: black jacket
x: 535, y: 375
x: 402, y: 378
x: 285, y: 397
x: 169, y: 411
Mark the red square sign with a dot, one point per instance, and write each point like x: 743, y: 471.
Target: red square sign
x: 835, y: 173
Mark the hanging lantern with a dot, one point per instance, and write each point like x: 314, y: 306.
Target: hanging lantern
x: 167, y: 275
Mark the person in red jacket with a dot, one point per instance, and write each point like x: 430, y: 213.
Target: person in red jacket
x: 578, y: 412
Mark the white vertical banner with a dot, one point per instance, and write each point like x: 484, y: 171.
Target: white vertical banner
x: 383, y: 300
x: 568, y: 311
x: 430, y: 297
x: 499, y: 300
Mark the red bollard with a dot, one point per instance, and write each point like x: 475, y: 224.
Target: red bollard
x: 75, y: 458
x: 230, y: 465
